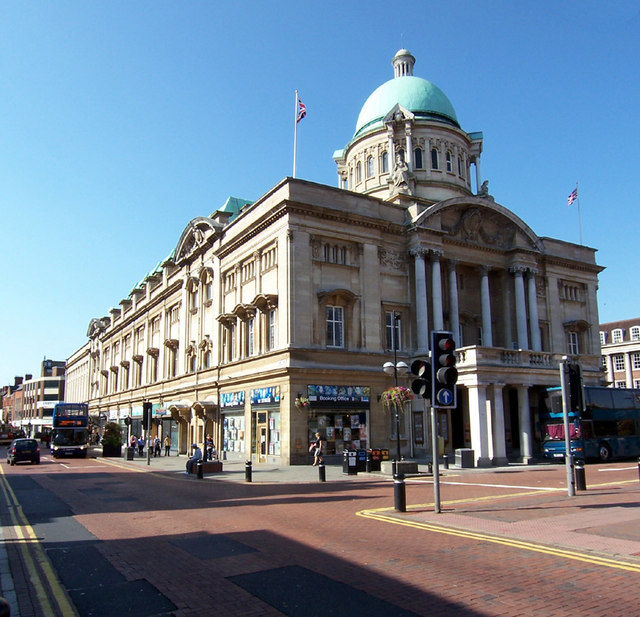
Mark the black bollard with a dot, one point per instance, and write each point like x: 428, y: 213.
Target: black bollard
x: 5, y: 608
x: 581, y: 481
x: 399, y: 494
x: 429, y: 467
x: 639, y: 467
x: 199, y: 470
x: 445, y: 461
x: 247, y: 471
x: 322, y: 476
x: 369, y: 462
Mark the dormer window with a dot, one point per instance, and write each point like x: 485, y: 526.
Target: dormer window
x: 635, y: 333
x: 616, y: 335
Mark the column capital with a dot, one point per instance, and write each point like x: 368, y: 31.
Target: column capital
x: 484, y: 269
x: 452, y: 264
x: 419, y: 251
x: 517, y: 269
x: 436, y: 254
x: 532, y: 271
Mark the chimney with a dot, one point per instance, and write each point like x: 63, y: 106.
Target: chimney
x: 17, y: 381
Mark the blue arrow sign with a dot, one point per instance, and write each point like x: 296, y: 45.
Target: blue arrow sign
x: 444, y: 397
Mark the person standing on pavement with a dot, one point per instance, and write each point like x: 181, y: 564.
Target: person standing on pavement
x: 157, y: 448
x: 197, y: 456
x: 316, y: 448
x: 167, y: 446
x: 141, y: 446
x: 133, y: 442
x: 209, y: 448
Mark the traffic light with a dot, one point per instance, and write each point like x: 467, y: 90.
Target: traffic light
x: 444, y: 374
x: 147, y: 406
x: 421, y: 385
x: 576, y: 393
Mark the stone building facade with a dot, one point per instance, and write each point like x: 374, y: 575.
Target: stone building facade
x: 271, y: 320
x: 620, y: 341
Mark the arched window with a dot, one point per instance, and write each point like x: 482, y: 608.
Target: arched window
x: 417, y: 158
x: 384, y: 162
x: 370, y: 167
x: 434, y: 159
x: 449, y: 163
x: 358, y: 173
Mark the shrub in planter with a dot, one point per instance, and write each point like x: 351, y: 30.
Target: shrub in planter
x: 112, y: 440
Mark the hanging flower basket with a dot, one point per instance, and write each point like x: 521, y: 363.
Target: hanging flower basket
x: 302, y: 403
x: 396, y: 396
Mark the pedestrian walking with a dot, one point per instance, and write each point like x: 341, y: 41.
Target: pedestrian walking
x: 133, y: 442
x: 167, y: 445
x: 316, y: 447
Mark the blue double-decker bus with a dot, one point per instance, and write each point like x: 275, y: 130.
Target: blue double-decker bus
x: 609, y: 426
x: 70, y: 430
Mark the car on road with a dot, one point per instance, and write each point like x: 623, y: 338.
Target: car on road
x: 23, y: 450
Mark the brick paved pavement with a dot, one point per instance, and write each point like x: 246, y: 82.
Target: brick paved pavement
x: 346, y: 531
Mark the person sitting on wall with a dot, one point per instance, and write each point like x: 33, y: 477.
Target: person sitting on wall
x: 197, y: 456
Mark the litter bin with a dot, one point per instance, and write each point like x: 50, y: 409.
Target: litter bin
x: 384, y: 454
x: 376, y: 457
x: 350, y: 463
x: 361, y: 457
x: 129, y: 454
x: 465, y: 457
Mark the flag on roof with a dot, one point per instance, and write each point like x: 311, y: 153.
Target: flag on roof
x: 573, y: 196
x: 302, y: 111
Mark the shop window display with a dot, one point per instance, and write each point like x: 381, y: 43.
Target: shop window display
x: 342, y: 430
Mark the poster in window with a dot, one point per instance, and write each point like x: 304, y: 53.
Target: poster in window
x: 330, y: 433
x: 338, y: 421
x: 355, y: 420
x: 346, y: 433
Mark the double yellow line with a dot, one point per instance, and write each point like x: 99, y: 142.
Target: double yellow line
x: 37, y: 564
x: 384, y: 515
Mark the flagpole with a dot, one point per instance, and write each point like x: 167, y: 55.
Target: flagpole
x: 579, y: 215
x: 295, y: 134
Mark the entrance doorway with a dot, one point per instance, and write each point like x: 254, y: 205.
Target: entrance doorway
x: 261, y: 436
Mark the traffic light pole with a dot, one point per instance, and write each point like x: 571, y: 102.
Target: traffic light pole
x: 436, y: 464
x: 568, y: 455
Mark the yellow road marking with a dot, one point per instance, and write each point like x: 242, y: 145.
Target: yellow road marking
x: 28, y: 540
x: 379, y: 515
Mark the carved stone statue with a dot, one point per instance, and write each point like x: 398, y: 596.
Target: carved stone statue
x: 402, y: 179
x: 484, y: 189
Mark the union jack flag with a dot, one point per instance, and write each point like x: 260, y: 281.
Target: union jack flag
x: 302, y: 111
x: 573, y: 196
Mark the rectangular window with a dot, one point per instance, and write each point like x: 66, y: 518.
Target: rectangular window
x: 616, y: 336
x: 635, y: 361
x: 250, y: 334
x: 574, y: 348
x: 603, y: 338
x: 335, y: 326
x: 271, y: 341
x: 392, y: 330
x: 621, y: 384
x: 618, y: 362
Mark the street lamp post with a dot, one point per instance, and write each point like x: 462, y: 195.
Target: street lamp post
x: 395, y: 369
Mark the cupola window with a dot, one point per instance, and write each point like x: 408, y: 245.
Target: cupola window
x: 434, y: 159
x: 358, y: 173
x: 370, y: 167
x: 449, y: 163
x: 417, y: 158
x: 384, y: 162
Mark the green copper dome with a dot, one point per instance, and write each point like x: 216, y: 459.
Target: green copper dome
x: 418, y: 95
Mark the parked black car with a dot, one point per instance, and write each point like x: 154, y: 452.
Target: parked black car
x: 23, y: 450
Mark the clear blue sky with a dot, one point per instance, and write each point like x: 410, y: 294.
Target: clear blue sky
x: 120, y: 121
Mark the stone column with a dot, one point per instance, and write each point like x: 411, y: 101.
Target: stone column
x: 628, y: 369
x: 498, y: 434
x: 408, y: 146
x: 534, y: 324
x: 521, y: 310
x: 524, y: 417
x: 422, y: 314
x: 454, y: 313
x: 478, y: 175
x: 478, y: 424
x: 436, y: 290
x: 507, y: 329
x: 609, y: 360
x: 487, y: 333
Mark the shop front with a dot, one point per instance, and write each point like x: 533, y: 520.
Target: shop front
x: 340, y: 415
x: 266, y: 424
x: 233, y: 425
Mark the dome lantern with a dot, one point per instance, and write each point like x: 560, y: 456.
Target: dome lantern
x: 403, y: 63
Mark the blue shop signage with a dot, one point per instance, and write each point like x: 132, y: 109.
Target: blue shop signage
x: 265, y: 396
x: 232, y: 399
x: 330, y: 396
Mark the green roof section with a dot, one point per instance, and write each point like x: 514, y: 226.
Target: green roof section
x: 418, y: 95
x: 234, y: 205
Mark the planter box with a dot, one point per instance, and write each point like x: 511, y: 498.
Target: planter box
x: 112, y: 451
